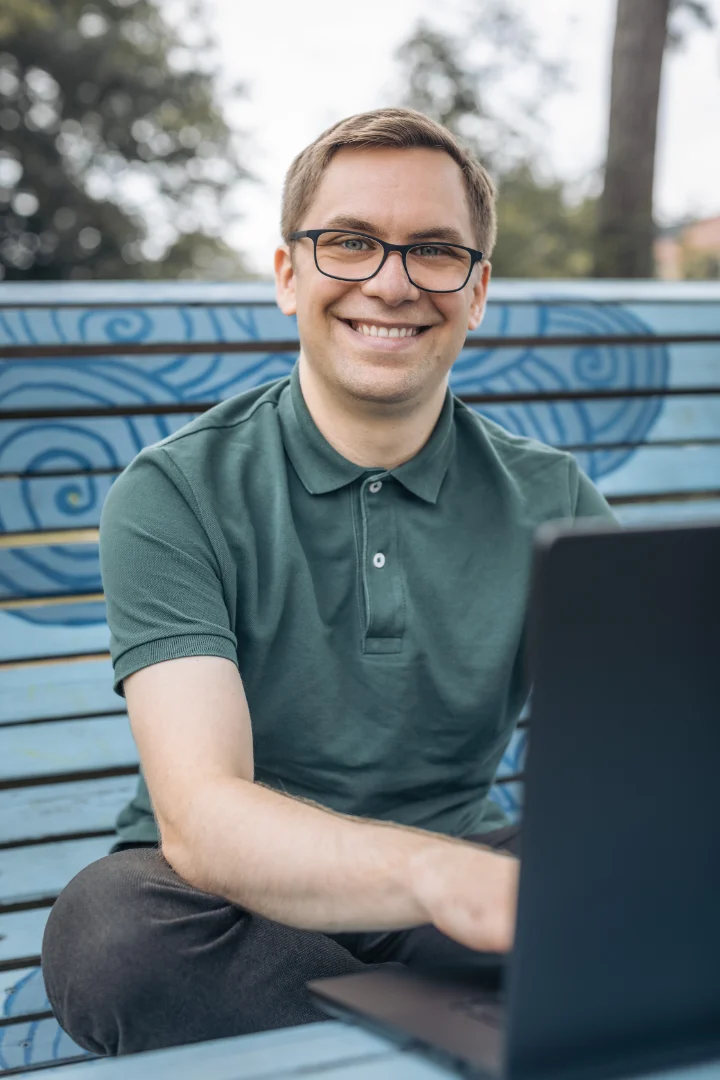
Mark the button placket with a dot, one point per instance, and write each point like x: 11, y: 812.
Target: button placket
x: 381, y: 570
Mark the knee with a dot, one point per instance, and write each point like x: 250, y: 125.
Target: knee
x: 93, y: 939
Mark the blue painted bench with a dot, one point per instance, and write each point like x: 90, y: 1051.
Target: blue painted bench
x: 328, y: 1051
x: 625, y: 375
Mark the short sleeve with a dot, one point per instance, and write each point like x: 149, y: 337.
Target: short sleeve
x: 585, y: 499
x: 164, y: 591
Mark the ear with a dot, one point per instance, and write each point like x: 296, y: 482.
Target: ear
x: 285, y: 281
x: 479, y: 295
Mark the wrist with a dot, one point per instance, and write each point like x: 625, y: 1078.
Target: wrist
x: 427, y: 874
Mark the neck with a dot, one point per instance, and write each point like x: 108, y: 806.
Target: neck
x: 367, y: 433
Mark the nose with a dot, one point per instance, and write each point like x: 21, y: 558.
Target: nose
x: 391, y: 284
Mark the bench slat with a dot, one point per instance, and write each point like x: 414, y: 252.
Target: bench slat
x: 657, y: 470
x: 513, y: 761
x: 663, y: 513
x: 22, y: 637
x: 110, y: 443
x: 66, y: 746
x: 33, y: 873
x: 395, y: 1064
x: 269, y: 1056
x: 48, y: 810
x: 54, y: 569
x: 22, y: 992
x: 509, y: 797
x: 71, y: 501
x: 32, y: 1043
x: 123, y: 314
x: 174, y: 363
x: 62, y: 689
x: 186, y: 380
x: 136, y: 323
x: 515, y: 392
x: 665, y: 316
x: 21, y: 934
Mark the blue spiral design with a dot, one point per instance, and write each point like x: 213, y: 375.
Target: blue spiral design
x: 128, y: 326
x: 92, y: 452
x: 81, y: 449
x: 596, y: 367
x: 591, y: 367
x: 77, y: 498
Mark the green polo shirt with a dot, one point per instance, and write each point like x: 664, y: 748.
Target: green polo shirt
x: 376, y: 617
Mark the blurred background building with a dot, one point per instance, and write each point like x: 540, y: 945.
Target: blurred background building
x: 147, y: 138
x: 689, y: 250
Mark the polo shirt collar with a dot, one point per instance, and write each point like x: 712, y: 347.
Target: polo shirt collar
x: 322, y: 469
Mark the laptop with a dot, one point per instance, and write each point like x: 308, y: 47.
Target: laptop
x: 615, y: 968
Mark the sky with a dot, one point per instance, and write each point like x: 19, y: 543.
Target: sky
x: 308, y: 63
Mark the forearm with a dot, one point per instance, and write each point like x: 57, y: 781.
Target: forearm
x: 297, y: 863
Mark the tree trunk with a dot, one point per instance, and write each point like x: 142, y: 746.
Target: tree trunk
x: 625, y: 218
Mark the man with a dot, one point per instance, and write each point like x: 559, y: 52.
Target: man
x: 316, y: 593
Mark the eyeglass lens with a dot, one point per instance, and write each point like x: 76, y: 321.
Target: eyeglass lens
x: 439, y: 267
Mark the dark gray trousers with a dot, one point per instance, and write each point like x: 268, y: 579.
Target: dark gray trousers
x: 136, y: 959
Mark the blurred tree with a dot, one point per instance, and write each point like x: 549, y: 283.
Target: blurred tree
x: 643, y: 30
x: 465, y: 82
x: 542, y: 232
x: 115, y: 159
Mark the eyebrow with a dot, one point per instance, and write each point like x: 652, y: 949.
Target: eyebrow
x: 440, y: 232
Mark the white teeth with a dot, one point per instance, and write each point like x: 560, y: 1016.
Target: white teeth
x: 370, y: 330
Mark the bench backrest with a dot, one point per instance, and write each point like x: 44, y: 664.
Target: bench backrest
x: 626, y: 376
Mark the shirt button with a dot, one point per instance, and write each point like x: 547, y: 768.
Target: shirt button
x: 379, y: 560
x: 375, y: 486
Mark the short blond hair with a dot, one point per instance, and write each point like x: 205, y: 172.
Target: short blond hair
x: 394, y: 127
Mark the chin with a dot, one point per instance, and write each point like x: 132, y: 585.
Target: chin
x: 390, y: 387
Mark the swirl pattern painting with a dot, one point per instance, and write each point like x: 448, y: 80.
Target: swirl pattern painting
x: 67, y: 463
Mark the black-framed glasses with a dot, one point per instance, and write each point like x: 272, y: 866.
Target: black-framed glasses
x: 432, y: 265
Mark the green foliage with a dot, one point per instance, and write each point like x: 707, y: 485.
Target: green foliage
x: 116, y: 160
x: 467, y: 86
x: 539, y: 233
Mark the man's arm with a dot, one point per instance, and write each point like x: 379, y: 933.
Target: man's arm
x: 285, y: 858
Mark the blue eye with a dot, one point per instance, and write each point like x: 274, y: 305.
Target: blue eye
x: 438, y: 251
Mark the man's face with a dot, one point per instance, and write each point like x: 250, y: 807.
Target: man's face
x: 400, y: 196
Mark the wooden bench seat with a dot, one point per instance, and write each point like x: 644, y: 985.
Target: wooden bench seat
x: 625, y: 375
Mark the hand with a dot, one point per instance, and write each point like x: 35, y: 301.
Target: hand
x: 469, y: 893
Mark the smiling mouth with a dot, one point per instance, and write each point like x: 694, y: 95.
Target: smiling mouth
x: 369, y: 329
